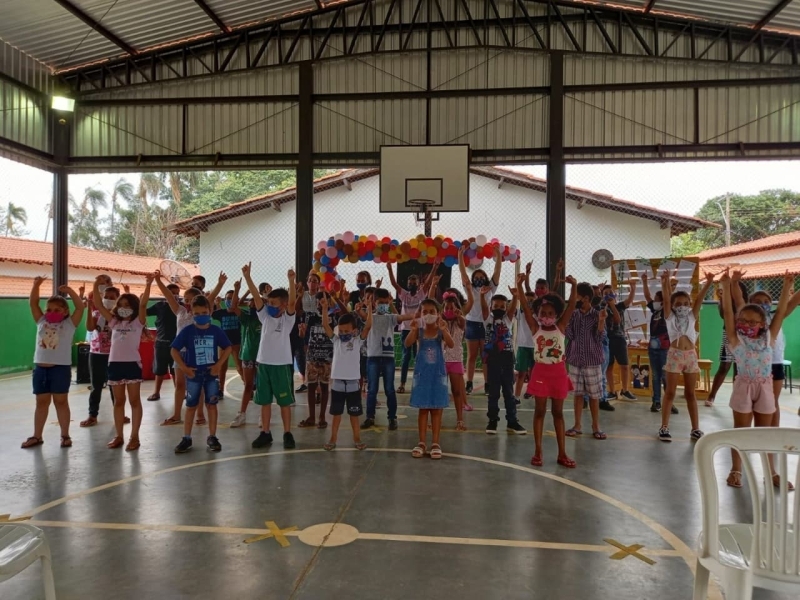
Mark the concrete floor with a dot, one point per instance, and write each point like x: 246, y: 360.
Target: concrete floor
x: 479, y: 524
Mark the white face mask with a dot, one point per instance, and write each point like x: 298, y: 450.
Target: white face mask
x: 657, y: 305
x: 430, y: 319
x: 683, y: 311
x: 124, y: 313
x: 108, y: 303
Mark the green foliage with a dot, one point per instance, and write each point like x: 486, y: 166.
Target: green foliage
x: 12, y: 217
x: 686, y: 244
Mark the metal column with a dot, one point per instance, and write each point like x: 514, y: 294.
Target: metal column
x: 61, y: 124
x: 304, y: 226
x: 556, y: 171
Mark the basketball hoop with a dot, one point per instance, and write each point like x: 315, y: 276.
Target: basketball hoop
x: 423, y: 213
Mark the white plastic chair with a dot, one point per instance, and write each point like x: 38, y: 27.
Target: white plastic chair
x: 764, y: 552
x: 20, y: 546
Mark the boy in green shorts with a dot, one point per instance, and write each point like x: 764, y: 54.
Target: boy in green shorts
x: 251, y: 336
x: 274, y: 357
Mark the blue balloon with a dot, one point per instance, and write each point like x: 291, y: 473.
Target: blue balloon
x: 341, y: 254
x: 473, y: 246
x: 331, y: 242
x: 368, y: 256
x: 449, y: 261
x: 457, y: 244
x: 395, y: 243
x: 324, y: 260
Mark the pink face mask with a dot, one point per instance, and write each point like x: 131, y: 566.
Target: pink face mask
x: 749, y: 331
x: 547, y: 321
x: 449, y: 314
x: 540, y: 293
x: 54, y: 317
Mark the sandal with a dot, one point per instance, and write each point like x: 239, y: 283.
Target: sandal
x: 566, y: 461
x: 419, y: 450
x: 734, y: 479
x: 117, y: 442
x: 133, y: 444
x: 572, y: 432
x: 66, y: 441
x: 599, y: 435
x: 361, y: 446
x: 32, y: 441
x: 171, y: 421
x: 460, y: 426
x: 329, y: 447
x: 536, y: 461
x: 468, y: 407
x: 126, y: 420
x: 436, y: 451
x: 309, y: 422
x: 200, y: 422
x: 90, y: 422
x: 710, y: 402
x: 776, y: 481
x: 401, y: 389
x: 322, y: 425
x: 153, y: 397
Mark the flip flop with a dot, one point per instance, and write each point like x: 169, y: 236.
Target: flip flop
x: 536, y: 461
x: 566, y: 461
x: 322, y: 425
x: 599, y: 435
x: 200, y: 422
x: 468, y: 407
x: 329, y: 447
x: 361, y: 446
x: 776, y: 482
x: 171, y: 421
x: 154, y: 397
x: 32, y: 441
x: 709, y: 403
x: 117, y: 442
x: 133, y: 444
x: 734, y: 479
x: 572, y: 432
x: 66, y: 441
x: 419, y: 450
x: 90, y: 422
x: 307, y: 423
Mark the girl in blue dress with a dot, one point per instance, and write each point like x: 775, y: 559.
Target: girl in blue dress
x: 430, y: 393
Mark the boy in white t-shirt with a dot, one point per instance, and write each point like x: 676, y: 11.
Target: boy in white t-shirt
x: 275, y: 371
x: 524, y: 359
x: 346, y: 371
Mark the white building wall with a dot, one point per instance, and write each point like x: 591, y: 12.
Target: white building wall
x: 512, y: 214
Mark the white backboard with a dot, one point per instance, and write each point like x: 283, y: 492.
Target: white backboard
x: 437, y: 174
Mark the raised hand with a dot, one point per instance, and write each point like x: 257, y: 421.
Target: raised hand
x: 497, y: 254
x: 528, y: 268
x: 737, y: 274
x: 415, y: 323
x: 486, y: 289
x: 65, y: 289
x: 644, y: 276
x: 603, y: 315
x: 570, y: 280
x: 222, y: 278
x: 521, y: 278
x: 710, y: 277
x: 726, y: 276
x: 157, y: 274
x: 323, y: 303
x: 126, y: 288
x: 148, y: 279
x: 442, y: 324
x: 290, y: 274
x: 298, y: 288
x: 81, y: 290
x: 246, y: 269
x: 37, y: 281
x: 461, y: 250
x: 512, y: 291
x: 788, y: 279
x: 379, y: 282
x: 237, y: 285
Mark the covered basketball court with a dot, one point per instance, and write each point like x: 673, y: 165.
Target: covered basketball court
x: 174, y: 85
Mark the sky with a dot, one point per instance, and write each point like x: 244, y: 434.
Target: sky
x: 680, y: 187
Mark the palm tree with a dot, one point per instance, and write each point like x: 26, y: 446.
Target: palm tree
x: 92, y: 200
x: 49, y: 210
x: 13, y: 217
x: 151, y: 186
x: 123, y: 190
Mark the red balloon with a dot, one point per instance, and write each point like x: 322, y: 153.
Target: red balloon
x: 428, y: 241
x: 385, y: 246
x: 413, y: 253
x: 370, y: 246
x: 386, y: 240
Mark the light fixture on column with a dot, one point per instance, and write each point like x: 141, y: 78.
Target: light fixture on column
x: 63, y: 104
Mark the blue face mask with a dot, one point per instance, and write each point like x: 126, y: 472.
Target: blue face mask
x: 273, y: 311
x: 362, y: 286
x: 202, y: 319
x: 345, y: 337
x: 383, y: 309
x: 227, y: 303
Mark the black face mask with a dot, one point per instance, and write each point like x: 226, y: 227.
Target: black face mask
x: 498, y: 313
x: 412, y: 288
x: 478, y: 283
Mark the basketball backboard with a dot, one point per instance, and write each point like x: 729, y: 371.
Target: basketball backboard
x: 436, y: 175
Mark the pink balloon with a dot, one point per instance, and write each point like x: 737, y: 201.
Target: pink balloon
x: 321, y: 245
x: 331, y: 251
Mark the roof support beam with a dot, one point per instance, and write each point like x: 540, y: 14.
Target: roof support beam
x: 772, y: 14
x: 74, y: 10
x: 212, y: 15
x: 650, y: 5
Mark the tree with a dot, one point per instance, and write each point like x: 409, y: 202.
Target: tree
x: 123, y: 190
x: 12, y: 217
x: 686, y: 244
x: 85, y: 219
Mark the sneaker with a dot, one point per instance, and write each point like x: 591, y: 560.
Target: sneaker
x: 288, y: 441
x: 491, y: 427
x: 392, y: 424
x: 696, y: 434
x: 368, y: 423
x: 516, y: 428
x: 213, y: 443
x: 263, y: 440
x: 604, y: 405
x: 611, y: 396
x: 674, y: 410
x: 628, y: 396
x: 663, y: 434
x: 655, y: 407
x: 184, y: 446
x: 240, y: 420
x: 517, y: 400
x: 469, y: 387
x: 302, y: 388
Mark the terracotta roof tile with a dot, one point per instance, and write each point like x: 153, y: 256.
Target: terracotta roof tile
x: 762, y: 270
x: 768, y: 243
x: 20, y: 287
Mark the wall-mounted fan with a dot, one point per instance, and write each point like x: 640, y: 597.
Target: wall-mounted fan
x: 602, y: 259
x: 176, y: 273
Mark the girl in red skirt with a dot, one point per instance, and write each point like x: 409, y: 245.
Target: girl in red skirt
x: 549, y: 377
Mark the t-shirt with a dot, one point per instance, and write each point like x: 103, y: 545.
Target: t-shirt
x: 411, y: 303
x: 166, y: 322
x: 524, y: 335
x: 347, y: 358
x: 549, y: 347
x: 616, y: 329
x: 498, y: 338
x: 475, y: 313
x: 659, y: 336
x: 380, y: 340
x: 54, y: 342
x: 230, y: 325
x: 100, y: 340
x: 320, y: 346
x: 585, y: 347
x: 251, y: 334
x: 200, y: 345
x: 275, y: 347
x: 309, y: 303
x: 125, y: 339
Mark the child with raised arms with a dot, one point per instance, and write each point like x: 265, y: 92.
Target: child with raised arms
x: 275, y: 369
x: 195, y: 351
x: 251, y: 336
x: 126, y: 321
x: 524, y: 359
x: 549, y: 378
x: 52, y: 358
x: 345, y: 370
x: 229, y: 323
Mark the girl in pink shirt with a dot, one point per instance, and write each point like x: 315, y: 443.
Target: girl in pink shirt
x: 126, y: 322
x: 453, y: 313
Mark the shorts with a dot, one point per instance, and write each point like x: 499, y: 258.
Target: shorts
x: 350, y: 399
x: 753, y: 395
x: 162, y: 360
x: 475, y: 331
x: 274, y: 381
x: 617, y: 351
x: 682, y: 361
x: 318, y: 372
x: 778, y: 372
x: 454, y: 368
x: 550, y: 381
x: 203, y: 381
x: 122, y: 373
x: 587, y: 381
x: 725, y: 355
x: 524, y: 360
x: 52, y: 380
x: 249, y: 364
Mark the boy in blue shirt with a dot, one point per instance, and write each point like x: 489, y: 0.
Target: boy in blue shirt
x: 201, y: 364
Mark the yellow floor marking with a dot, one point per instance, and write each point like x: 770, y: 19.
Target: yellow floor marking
x: 8, y: 519
x: 274, y: 532
x: 153, y: 527
x: 625, y: 551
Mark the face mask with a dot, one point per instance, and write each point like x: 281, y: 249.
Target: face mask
x: 227, y: 303
x: 479, y: 282
x: 412, y: 289
x: 547, y: 321
x: 383, y: 309
x: 450, y: 315
x: 767, y: 306
x: 748, y: 331
x: 202, y: 319
x: 540, y: 293
x: 683, y: 311
x: 125, y: 313
x: 273, y: 311
x: 657, y: 305
x: 362, y: 286
x: 54, y: 318
x: 610, y: 296
x: 109, y: 304
x: 345, y: 337
x: 498, y: 313
x: 578, y: 304
x: 430, y: 319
